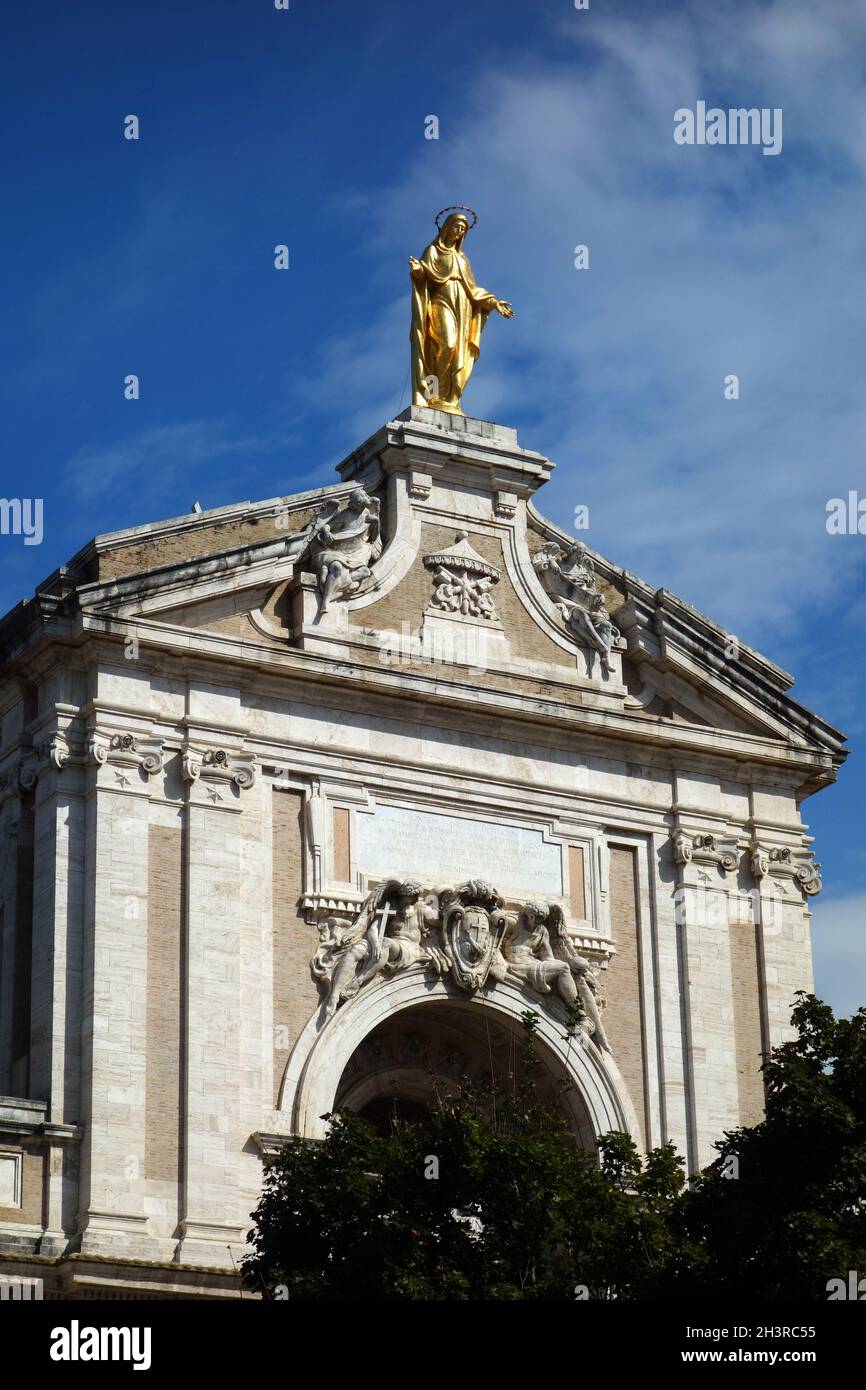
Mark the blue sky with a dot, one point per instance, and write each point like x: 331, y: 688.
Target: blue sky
x: 306, y: 128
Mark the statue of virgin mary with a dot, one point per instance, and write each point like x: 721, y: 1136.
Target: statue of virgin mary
x: 449, y: 312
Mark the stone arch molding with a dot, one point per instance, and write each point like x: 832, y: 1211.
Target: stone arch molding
x: 321, y: 1053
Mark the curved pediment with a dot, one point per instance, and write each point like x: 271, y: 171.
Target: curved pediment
x: 429, y: 563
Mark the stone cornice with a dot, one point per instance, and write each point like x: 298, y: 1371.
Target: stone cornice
x: 413, y: 685
x: 667, y: 632
x: 26, y: 1119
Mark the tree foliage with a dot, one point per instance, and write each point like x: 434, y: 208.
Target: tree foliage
x: 491, y: 1200
x: 783, y: 1208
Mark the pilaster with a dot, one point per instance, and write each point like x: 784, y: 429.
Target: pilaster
x: 212, y: 1222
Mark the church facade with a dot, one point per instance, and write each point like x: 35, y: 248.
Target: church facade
x: 304, y: 803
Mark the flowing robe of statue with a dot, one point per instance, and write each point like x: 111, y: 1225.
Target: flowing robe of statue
x: 449, y: 311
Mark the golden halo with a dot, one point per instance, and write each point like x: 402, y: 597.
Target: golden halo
x: 456, y: 207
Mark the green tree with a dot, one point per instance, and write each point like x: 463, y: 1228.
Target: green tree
x: 783, y: 1208
x: 482, y: 1201
x: 492, y: 1200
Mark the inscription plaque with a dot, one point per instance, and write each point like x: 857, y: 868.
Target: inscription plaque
x: 448, y: 849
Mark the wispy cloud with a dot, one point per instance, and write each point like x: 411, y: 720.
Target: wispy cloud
x: 156, y: 456
x: 704, y: 262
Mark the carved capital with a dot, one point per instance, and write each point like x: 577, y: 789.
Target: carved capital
x: 55, y: 752
x: 705, y: 848
x: 27, y: 774
x: 190, y: 765
x: 126, y: 751
x: 784, y: 862
x: 682, y: 847
x: 20, y: 777
x: 216, y: 765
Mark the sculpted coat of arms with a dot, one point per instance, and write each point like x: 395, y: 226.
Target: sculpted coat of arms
x: 464, y: 933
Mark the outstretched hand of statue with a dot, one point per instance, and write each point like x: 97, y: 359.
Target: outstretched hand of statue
x: 416, y: 268
x: 504, y: 308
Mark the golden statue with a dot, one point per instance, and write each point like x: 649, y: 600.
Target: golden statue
x: 449, y: 312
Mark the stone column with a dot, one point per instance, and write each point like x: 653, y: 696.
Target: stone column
x: 212, y: 1222
x: 256, y: 1072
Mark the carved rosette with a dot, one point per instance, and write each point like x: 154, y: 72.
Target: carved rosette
x: 53, y: 754
x: 463, y: 582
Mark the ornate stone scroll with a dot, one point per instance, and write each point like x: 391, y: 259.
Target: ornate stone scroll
x: 570, y: 580
x: 126, y: 751
x: 781, y: 862
x: 463, y: 581
x: 464, y: 933
x: 705, y: 849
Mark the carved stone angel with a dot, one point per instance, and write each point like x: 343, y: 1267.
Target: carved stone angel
x: 395, y: 928
x: 571, y: 582
x: 538, y: 953
x: 343, y: 541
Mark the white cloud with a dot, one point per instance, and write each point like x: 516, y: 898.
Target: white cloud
x: 838, y: 934
x: 703, y: 262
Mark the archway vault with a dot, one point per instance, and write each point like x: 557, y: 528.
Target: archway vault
x: 322, y: 1052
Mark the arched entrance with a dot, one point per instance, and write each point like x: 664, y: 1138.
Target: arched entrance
x: 330, y: 1065
x: 431, y: 1049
